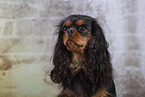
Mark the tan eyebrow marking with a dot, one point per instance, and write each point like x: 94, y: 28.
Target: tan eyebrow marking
x: 80, y: 22
x: 68, y: 23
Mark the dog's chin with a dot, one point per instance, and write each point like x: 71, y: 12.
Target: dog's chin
x: 74, y: 46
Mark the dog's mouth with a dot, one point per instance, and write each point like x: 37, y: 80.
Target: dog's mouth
x: 74, y: 46
x: 76, y: 43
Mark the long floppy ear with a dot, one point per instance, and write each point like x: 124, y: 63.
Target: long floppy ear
x: 61, y: 59
x: 98, y: 63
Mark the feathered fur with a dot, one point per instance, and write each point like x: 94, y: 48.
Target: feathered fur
x: 96, y: 73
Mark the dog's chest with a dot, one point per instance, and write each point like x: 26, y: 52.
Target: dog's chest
x: 77, y: 62
x: 78, y: 58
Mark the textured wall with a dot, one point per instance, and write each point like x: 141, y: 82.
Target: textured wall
x: 27, y: 41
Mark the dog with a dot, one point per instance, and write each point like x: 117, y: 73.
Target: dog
x: 81, y: 59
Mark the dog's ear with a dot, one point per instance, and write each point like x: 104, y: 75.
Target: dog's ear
x: 61, y: 59
x: 98, y: 56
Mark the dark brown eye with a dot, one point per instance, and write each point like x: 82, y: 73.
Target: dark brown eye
x: 65, y: 28
x: 82, y: 29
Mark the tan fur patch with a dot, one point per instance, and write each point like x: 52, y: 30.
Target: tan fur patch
x: 75, y: 40
x: 80, y: 22
x: 77, y: 61
x: 78, y: 57
x: 79, y: 39
x: 101, y: 93
x: 65, y: 39
x: 68, y: 23
x: 67, y: 93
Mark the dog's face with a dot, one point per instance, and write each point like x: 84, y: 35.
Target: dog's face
x: 77, y: 32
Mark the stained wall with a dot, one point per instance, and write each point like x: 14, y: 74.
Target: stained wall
x: 27, y: 39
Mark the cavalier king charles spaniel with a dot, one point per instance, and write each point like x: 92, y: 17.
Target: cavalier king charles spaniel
x: 81, y: 59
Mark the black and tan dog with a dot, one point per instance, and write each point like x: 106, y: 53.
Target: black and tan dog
x: 81, y: 59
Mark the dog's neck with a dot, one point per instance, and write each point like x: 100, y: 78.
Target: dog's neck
x: 78, y: 58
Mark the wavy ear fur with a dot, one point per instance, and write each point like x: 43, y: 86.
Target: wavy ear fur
x: 61, y: 59
x: 98, y: 67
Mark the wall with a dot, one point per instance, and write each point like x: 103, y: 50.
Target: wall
x: 27, y: 39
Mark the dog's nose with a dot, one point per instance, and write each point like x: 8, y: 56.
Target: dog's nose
x: 70, y: 32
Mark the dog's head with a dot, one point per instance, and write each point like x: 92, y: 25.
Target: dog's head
x: 77, y: 32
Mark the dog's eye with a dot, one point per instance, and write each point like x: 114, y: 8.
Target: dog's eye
x: 65, y: 28
x: 82, y: 29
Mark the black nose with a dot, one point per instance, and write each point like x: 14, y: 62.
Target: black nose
x: 70, y: 32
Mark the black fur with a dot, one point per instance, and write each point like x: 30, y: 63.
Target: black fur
x: 97, y: 71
